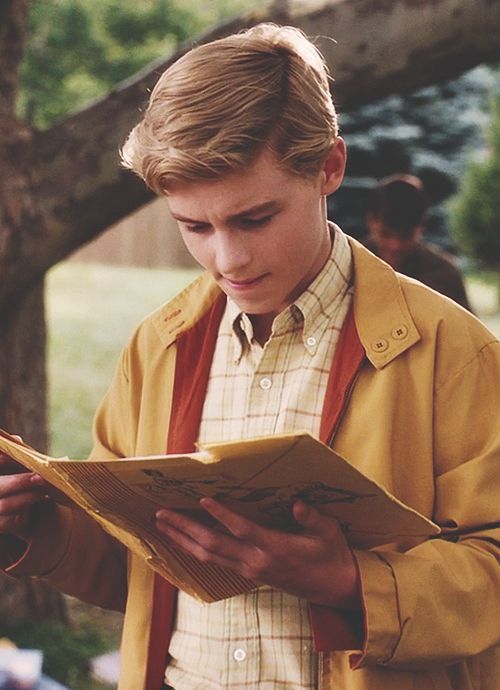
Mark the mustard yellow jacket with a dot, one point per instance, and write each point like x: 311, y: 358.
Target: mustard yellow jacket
x: 422, y: 419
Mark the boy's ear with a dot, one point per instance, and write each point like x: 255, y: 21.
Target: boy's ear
x: 334, y: 167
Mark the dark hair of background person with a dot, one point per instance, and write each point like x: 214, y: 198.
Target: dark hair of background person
x: 400, y: 202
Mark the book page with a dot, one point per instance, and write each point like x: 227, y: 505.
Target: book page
x: 258, y: 478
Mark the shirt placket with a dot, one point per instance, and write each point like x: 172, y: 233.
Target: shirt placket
x: 264, y: 394
x: 243, y: 654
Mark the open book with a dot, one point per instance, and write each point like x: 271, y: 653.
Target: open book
x: 259, y: 478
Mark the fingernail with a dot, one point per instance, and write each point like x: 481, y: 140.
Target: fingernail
x: 37, y: 479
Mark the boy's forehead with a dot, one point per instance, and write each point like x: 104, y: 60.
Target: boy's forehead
x: 262, y: 182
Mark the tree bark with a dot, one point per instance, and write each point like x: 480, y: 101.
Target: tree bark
x: 12, y: 32
x: 23, y: 408
x: 23, y: 382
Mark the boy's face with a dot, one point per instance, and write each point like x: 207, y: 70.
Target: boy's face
x: 261, y: 233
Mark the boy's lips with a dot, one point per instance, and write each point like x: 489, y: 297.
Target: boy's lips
x: 245, y: 284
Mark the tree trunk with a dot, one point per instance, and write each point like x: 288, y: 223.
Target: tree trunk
x: 23, y: 407
x: 497, y: 282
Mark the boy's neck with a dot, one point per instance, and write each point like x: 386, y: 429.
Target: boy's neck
x: 262, y: 326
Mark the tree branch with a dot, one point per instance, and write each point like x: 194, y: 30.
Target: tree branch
x: 12, y: 32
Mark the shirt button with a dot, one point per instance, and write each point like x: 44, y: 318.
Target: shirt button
x: 265, y: 384
x: 239, y: 654
x: 311, y: 341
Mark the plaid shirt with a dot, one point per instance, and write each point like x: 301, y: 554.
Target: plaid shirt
x: 262, y: 640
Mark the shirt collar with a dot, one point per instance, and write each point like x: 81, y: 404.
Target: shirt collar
x: 319, y: 303
x: 241, y: 328
x: 312, y: 310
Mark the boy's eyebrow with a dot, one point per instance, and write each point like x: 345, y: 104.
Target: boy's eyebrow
x: 265, y: 207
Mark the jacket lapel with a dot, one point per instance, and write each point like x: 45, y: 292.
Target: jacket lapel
x: 194, y: 353
x: 331, y: 629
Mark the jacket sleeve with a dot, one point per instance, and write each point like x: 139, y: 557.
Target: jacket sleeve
x: 440, y: 601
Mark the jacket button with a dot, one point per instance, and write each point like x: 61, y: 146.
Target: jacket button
x: 380, y: 345
x: 400, y: 332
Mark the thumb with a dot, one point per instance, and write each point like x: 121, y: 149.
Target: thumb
x: 316, y: 523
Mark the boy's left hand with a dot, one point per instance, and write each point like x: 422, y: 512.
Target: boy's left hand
x: 315, y: 564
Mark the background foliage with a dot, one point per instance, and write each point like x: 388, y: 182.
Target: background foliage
x: 476, y: 210
x: 78, y: 50
x: 66, y: 651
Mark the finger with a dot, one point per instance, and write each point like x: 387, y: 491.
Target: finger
x: 201, y: 542
x: 18, y: 502
x: 205, y: 543
x: 13, y: 437
x: 20, y: 482
x: 197, y: 549
x: 316, y: 523
x: 197, y: 528
x: 180, y: 538
x: 242, y: 528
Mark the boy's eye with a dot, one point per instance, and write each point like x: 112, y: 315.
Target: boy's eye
x: 196, y: 227
x: 255, y: 222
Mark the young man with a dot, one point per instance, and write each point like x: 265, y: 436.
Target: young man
x: 293, y: 326
x: 395, y: 223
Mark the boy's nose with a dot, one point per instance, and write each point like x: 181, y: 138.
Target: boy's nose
x: 232, y: 255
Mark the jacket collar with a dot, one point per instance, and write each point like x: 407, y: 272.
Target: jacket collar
x: 383, y: 320
x: 185, y: 309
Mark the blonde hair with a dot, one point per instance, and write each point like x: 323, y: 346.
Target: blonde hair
x: 215, y: 108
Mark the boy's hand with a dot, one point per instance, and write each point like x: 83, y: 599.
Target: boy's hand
x: 19, y: 491
x: 315, y: 564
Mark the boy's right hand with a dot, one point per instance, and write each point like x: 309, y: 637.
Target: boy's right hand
x: 20, y: 490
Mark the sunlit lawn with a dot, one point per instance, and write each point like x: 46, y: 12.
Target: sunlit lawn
x: 92, y: 311
x: 483, y: 295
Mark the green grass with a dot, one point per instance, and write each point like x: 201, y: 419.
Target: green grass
x: 91, y: 312
x: 483, y: 294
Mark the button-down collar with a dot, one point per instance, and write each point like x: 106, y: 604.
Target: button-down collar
x: 311, y: 311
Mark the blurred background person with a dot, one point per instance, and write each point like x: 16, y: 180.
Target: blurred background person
x: 395, y: 222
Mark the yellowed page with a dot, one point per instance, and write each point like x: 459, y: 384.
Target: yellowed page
x: 260, y: 478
